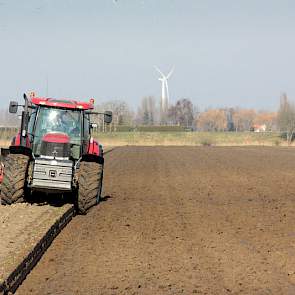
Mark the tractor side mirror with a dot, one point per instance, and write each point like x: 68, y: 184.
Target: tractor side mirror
x: 108, y: 116
x: 13, y: 107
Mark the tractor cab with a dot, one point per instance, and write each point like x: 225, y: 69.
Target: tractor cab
x: 58, y: 132
x: 56, y: 127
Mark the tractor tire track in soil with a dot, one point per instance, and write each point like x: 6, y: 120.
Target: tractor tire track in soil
x: 181, y: 220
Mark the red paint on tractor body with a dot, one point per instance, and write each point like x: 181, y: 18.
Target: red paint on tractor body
x: 94, y: 148
x: 63, y: 103
x: 16, y: 141
x: 56, y: 137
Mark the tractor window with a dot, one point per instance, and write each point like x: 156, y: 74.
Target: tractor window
x: 86, y: 131
x: 31, y: 125
x: 58, y: 120
x: 86, y: 127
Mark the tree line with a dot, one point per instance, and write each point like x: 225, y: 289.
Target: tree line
x: 185, y: 114
x: 7, y: 119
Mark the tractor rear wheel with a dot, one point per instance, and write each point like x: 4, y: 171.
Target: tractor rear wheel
x: 14, y: 179
x: 90, y: 183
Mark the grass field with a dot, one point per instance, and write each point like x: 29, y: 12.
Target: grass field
x: 191, y: 139
x: 177, y: 138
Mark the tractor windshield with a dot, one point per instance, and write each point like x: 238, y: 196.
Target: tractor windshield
x: 51, y: 120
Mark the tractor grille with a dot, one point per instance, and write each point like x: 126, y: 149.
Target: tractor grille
x: 54, y: 175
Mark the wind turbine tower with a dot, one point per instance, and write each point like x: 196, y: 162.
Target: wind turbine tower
x: 165, y: 90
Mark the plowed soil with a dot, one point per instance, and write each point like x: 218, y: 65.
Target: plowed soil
x: 181, y: 221
x: 22, y: 226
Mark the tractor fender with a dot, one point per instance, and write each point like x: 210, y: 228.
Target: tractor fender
x: 16, y: 140
x: 92, y: 158
x: 94, y: 148
x: 14, y: 149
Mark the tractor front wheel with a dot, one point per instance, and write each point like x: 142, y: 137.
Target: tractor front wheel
x: 14, y: 179
x: 90, y: 183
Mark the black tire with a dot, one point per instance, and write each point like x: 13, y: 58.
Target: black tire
x: 90, y: 176
x: 14, y: 180
x: 101, y: 188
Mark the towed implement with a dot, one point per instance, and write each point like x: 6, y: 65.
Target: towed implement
x: 54, y: 153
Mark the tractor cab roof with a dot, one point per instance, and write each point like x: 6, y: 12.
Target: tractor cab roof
x: 63, y: 103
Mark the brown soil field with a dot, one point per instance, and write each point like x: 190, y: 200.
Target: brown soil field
x: 21, y: 227
x: 178, y: 220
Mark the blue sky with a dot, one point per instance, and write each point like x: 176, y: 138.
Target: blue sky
x: 225, y: 53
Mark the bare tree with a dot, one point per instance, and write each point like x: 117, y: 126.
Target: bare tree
x: 286, y: 117
x: 7, y: 119
x: 182, y: 113
x: 122, y: 114
x: 212, y: 120
x: 243, y: 119
x: 147, y: 112
x: 172, y: 115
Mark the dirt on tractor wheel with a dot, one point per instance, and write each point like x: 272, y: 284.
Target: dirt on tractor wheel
x: 178, y: 220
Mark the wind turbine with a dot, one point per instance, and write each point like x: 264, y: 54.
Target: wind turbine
x: 165, y: 89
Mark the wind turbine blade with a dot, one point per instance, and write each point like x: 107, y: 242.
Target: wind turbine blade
x: 170, y: 73
x: 159, y: 71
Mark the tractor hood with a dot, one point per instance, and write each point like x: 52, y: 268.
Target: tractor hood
x: 57, y: 137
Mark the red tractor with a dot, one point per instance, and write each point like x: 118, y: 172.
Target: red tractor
x: 54, y: 153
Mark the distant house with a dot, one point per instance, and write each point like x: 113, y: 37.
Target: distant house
x: 259, y: 128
